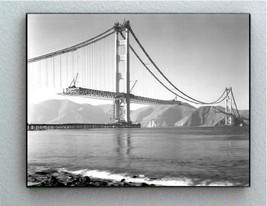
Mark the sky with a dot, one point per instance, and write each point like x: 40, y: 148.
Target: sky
x: 200, y: 53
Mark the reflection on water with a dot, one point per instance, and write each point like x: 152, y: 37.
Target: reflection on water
x: 199, y: 154
x: 123, y: 146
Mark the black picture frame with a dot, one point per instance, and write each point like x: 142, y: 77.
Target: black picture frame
x: 26, y: 124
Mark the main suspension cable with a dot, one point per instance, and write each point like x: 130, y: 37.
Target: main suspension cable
x: 74, y: 47
x: 147, y: 55
x: 143, y: 63
x: 224, y: 97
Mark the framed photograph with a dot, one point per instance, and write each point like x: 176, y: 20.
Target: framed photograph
x: 138, y: 100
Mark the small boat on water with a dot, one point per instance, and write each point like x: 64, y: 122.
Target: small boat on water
x: 151, y: 124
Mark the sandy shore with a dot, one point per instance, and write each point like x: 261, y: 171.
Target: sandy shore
x: 54, y: 178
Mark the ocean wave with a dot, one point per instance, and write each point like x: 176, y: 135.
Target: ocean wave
x: 134, y: 179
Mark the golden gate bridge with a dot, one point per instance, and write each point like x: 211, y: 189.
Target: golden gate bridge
x: 101, y: 66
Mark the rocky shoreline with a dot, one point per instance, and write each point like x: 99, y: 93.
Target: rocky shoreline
x: 54, y: 178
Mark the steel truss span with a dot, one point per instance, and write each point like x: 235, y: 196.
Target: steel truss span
x: 99, y: 94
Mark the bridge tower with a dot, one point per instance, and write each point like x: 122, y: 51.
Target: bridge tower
x: 122, y: 74
x: 228, y: 107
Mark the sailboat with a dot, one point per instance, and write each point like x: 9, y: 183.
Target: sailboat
x: 151, y: 124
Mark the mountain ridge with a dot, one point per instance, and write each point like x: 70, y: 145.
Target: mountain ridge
x: 66, y: 111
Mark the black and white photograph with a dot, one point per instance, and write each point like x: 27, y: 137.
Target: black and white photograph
x: 138, y: 100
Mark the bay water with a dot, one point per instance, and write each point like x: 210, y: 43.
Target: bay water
x: 181, y: 156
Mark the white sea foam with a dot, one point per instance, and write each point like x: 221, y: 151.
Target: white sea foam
x: 221, y: 184
x: 216, y: 183
x: 106, y: 175
x: 139, y: 179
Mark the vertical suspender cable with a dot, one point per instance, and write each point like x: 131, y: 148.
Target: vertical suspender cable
x: 104, y: 68
x: 77, y: 64
x: 40, y: 74
x: 101, y: 74
x: 54, y: 75
x: 46, y: 69
x: 92, y: 71
x: 108, y: 65
x: 83, y: 66
x: 103, y: 80
x: 96, y: 66
x: 97, y: 69
x: 60, y: 74
x: 88, y: 67
x: 72, y: 65
x: 103, y: 65
x: 79, y: 70
x: 100, y: 66
x: 67, y: 67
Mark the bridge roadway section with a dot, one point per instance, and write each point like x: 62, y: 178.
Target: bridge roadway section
x: 79, y: 91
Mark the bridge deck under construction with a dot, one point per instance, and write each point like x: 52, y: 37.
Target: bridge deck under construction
x: 84, y: 92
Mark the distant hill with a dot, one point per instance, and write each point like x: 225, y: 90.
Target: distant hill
x: 245, y: 115
x: 107, y: 108
x: 66, y: 111
x: 206, y: 116
x: 213, y: 116
x: 162, y: 115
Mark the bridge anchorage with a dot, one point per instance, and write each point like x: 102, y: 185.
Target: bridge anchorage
x: 80, y: 58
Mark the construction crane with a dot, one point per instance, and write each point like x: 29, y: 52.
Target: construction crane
x: 74, y: 81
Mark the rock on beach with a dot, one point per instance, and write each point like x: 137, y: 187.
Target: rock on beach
x: 53, y: 178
